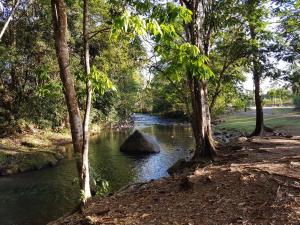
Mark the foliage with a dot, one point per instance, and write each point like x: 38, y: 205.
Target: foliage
x: 28, y: 67
x: 102, y: 187
x: 30, y: 86
x: 296, y: 100
x: 101, y: 82
x: 287, y: 46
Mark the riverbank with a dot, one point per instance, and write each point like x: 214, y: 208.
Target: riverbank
x: 32, y: 150
x: 255, y: 181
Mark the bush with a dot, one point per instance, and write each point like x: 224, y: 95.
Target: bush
x: 296, y: 100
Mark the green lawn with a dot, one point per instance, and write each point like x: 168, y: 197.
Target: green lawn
x: 247, y: 123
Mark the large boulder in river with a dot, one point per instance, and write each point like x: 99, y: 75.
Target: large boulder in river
x: 138, y: 143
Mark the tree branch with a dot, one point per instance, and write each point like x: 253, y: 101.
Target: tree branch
x: 9, y: 19
x: 94, y: 33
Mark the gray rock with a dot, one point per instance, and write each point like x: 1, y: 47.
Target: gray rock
x: 217, y: 133
x: 138, y: 143
x: 178, y: 166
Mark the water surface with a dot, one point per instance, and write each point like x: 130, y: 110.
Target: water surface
x: 35, y: 198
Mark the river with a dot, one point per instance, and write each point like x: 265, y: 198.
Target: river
x: 35, y: 198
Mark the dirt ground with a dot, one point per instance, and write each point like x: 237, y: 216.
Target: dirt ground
x: 253, y: 182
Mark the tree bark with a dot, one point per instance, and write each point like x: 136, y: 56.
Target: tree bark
x: 85, y: 148
x: 59, y: 18
x: 201, y: 121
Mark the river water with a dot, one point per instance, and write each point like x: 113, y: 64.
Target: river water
x: 35, y: 198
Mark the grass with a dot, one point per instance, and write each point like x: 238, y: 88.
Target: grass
x: 247, y: 123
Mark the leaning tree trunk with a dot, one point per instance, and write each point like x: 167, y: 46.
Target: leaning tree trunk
x: 85, y: 175
x: 59, y: 18
x: 201, y: 121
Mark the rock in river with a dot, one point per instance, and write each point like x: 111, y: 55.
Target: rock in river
x: 138, y: 143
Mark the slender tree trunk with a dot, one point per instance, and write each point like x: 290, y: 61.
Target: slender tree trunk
x: 259, y: 125
x: 85, y: 149
x: 9, y: 19
x: 61, y: 45
x: 257, y: 74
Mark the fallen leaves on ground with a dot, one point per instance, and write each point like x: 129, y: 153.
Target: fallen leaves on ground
x: 258, y: 183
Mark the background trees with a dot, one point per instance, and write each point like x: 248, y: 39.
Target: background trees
x: 30, y: 88
x: 287, y: 45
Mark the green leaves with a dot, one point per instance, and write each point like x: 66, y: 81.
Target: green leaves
x: 186, y: 57
x: 185, y: 14
x: 128, y: 23
x: 51, y: 89
x: 101, y: 82
x: 161, y: 22
x: 171, y: 13
x: 154, y: 28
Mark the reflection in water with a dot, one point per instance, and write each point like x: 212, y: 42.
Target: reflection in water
x: 41, y: 196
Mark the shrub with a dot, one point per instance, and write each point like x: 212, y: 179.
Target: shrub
x: 296, y: 100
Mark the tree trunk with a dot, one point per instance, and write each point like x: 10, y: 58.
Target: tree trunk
x: 85, y: 148
x: 201, y: 121
x: 257, y: 74
x: 259, y: 126
x: 59, y: 18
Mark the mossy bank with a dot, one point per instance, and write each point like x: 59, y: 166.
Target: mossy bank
x: 32, y: 151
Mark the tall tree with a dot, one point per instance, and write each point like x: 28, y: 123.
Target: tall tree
x: 255, y: 16
x: 198, y: 33
x: 59, y: 19
x: 85, y: 176
x: 188, y: 56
